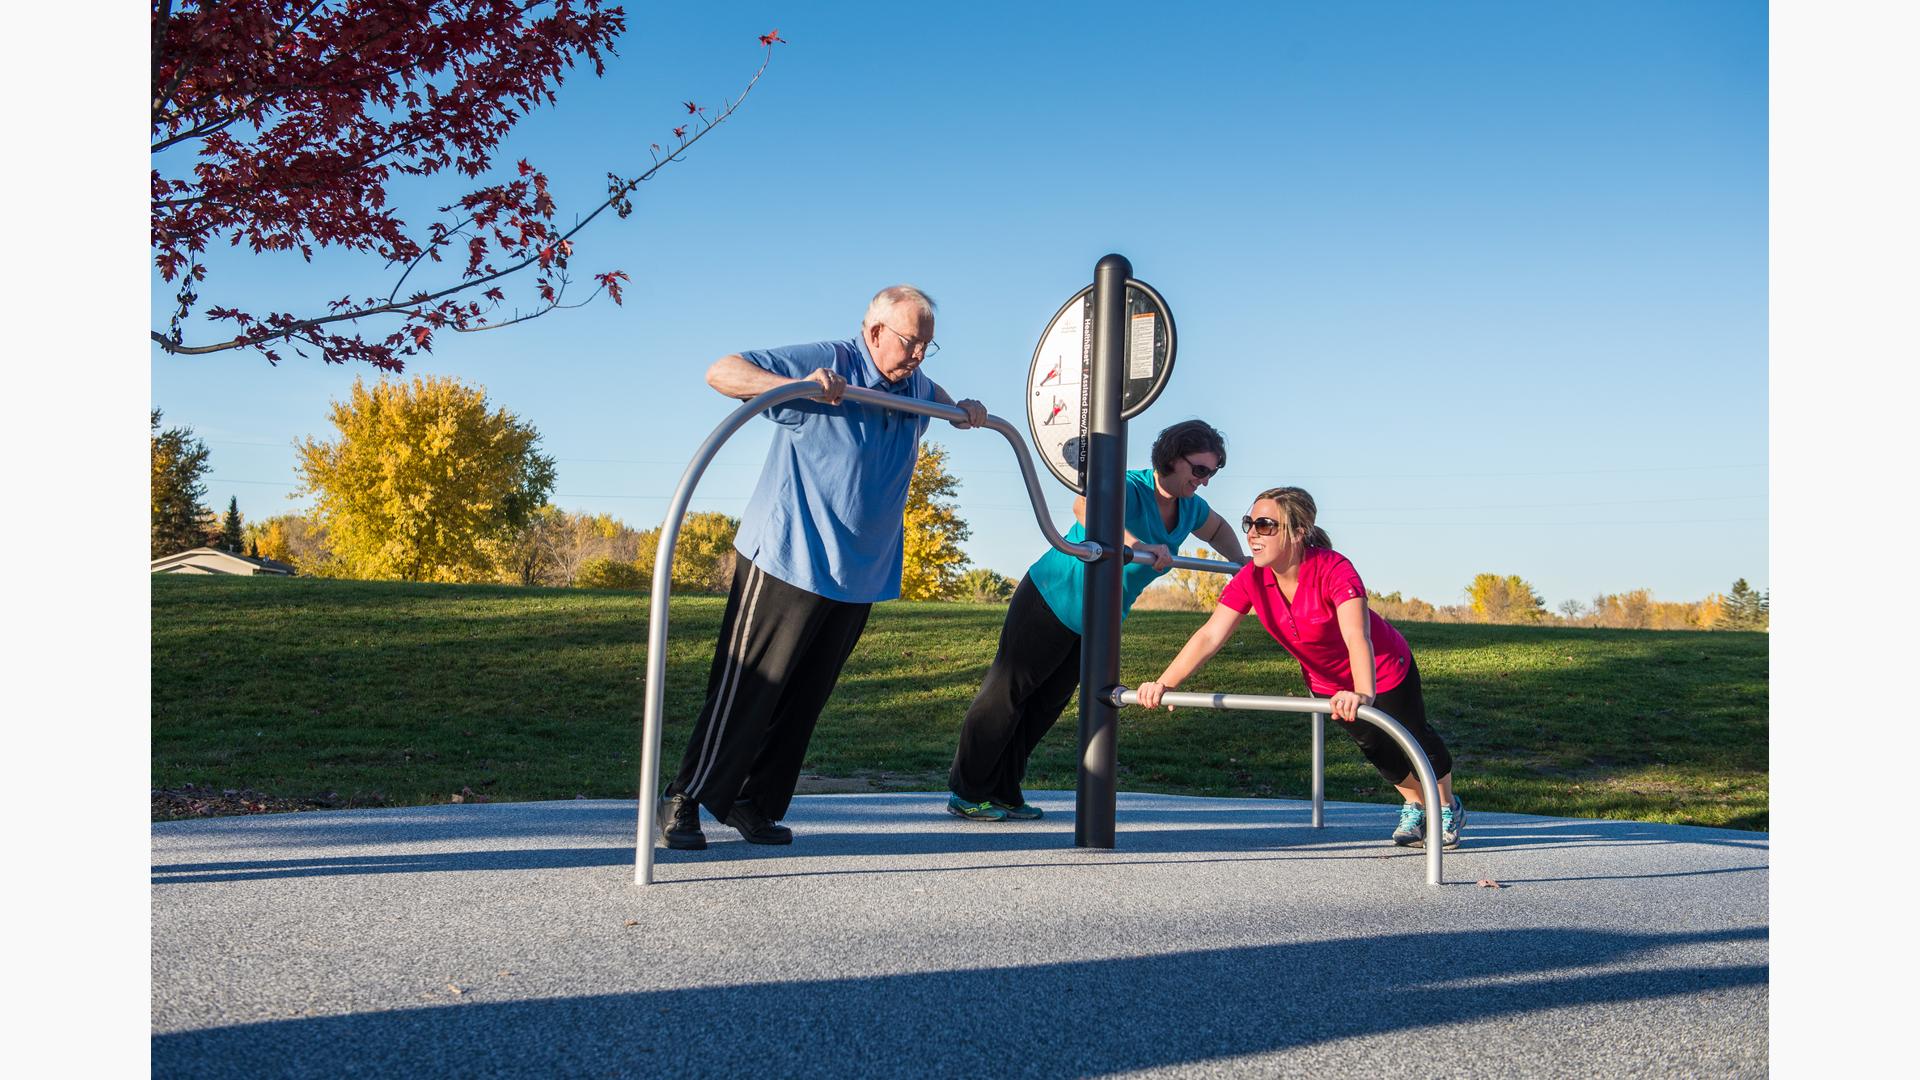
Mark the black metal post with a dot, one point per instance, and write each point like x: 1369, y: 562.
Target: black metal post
x: 1106, y: 450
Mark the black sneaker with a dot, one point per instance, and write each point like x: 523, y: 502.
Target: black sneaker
x: 755, y: 827
x: 680, y: 824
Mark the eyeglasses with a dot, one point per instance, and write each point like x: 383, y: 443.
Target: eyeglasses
x: 928, y: 347
x: 1259, y: 526
x: 1200, y: 472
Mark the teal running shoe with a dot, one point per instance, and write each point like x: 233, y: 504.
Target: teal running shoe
x: 1412, y: 830
x: 1026, y: 811
x: 985, y: 811
x: 1452, y: 819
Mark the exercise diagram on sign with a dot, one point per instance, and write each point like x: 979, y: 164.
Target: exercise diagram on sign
x: 1057, y: 385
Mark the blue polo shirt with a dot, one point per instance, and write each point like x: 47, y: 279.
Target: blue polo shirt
x: 826, y: 515
x: 1062, y: 579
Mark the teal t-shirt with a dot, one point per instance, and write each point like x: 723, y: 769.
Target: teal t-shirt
x: 1062, y: 579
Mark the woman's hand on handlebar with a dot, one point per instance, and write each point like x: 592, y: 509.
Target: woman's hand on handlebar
x: 1346, y: 704
x: 1149, y: 694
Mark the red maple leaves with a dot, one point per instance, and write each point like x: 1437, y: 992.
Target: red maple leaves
x: 611, y: 282
x: 279, y: 126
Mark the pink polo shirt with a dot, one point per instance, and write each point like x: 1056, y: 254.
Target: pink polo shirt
x: 1308, y: 627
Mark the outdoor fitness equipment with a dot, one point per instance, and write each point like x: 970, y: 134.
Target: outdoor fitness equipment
x: 1127, y: 362
x: 1126, y: 346
x: 1089, y: 551
x: 1315, y: 707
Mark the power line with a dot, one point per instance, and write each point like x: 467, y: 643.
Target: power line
x: 1450, y: 476
x: 1062, y: 510
x: 964, y: 472
x: 679, y: 463
x: 1608, y: 522
x: 1540, y: 506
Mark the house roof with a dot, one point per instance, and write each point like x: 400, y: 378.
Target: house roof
x: 214, y: 561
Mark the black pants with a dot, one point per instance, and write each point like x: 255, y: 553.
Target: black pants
x: 1405, y: 704
x: 1034, y: 673
x: 780, y: 653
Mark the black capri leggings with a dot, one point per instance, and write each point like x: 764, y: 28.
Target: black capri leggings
x: 1405, y: 704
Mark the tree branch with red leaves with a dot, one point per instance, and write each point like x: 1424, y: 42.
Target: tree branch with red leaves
x: 278, y: 124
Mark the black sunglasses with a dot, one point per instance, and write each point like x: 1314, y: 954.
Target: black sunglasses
x: 1201, y: 472
x: 1259, y: 526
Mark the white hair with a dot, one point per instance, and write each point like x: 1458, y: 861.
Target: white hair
x: 893, y: 296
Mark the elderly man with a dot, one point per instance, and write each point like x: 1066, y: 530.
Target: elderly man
x: 819, y: 544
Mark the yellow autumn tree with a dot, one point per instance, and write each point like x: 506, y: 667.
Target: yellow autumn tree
x: 1203, y: 587
x: 604, y: 573
x: 1631, y: 610
x: 1508, y: 599
x: 270, y: 540
x: 932, y: 561
x: 294, y: 540
x: 1397, y: 609
x: 422, y: 479
x: 703, y: 555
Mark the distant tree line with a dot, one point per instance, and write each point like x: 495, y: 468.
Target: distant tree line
x: 1509, y: 600
x: 425, y: 481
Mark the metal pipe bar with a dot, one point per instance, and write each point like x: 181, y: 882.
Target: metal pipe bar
x: 1086, y: 551
x: 1319, y: 770
x: 1184, y: 562
x: 1429, y: 783
x: 662, y: 587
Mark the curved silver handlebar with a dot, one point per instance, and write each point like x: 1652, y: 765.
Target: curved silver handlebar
x: 1086, y: 550
x: 1422, y: 765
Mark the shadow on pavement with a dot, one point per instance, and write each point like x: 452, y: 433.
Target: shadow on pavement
x: 846, y: 828
x: 1079, y: 1018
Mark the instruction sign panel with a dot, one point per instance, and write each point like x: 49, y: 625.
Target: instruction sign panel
x: 1059, y: 392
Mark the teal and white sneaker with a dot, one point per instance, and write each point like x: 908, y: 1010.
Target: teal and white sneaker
x: 1452, y: 819
x: 985, y: 811
x: 1412, y: 830
x: 1026, y: 811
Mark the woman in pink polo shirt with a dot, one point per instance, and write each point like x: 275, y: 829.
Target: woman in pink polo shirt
x: 1309, y: 597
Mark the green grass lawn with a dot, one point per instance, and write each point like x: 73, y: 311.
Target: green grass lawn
x: 385, y: 693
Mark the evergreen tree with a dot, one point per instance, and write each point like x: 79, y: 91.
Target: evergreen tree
x: 175, y: 490
x: 1744, y: 608
x: 233, y: 537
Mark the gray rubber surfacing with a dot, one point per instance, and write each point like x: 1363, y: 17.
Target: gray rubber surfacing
x: 1221, y: 937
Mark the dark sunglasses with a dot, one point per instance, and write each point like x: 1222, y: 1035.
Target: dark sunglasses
x: 1259, y: 526
x: 1201, y: 472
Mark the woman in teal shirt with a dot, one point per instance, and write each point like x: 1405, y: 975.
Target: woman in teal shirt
x: 1037, y: 666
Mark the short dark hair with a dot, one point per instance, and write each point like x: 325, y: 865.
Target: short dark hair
x: 1187, y: 437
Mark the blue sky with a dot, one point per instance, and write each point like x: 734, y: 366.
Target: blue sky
x: 1490, y: 280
